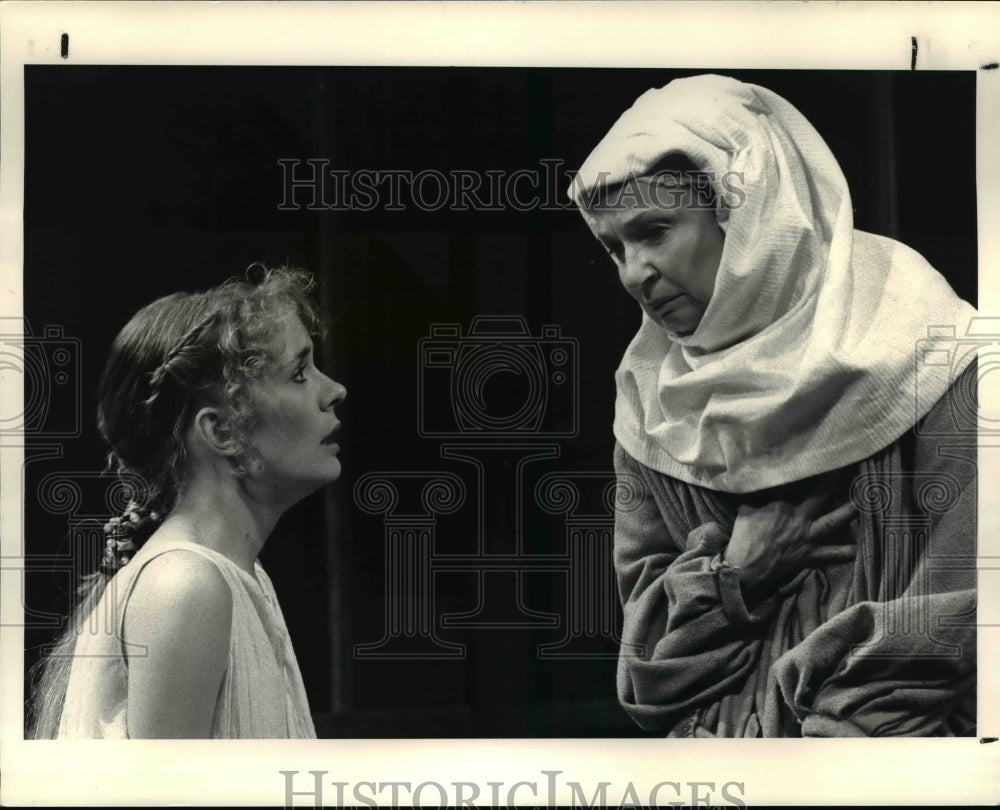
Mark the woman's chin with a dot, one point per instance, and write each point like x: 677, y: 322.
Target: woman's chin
x: 337, y: 473
x: 680, y: 320
x: 680, y: 327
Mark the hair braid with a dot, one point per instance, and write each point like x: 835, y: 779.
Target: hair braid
x: 184, y: 346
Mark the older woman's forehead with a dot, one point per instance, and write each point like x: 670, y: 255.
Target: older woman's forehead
x: 642, y: 193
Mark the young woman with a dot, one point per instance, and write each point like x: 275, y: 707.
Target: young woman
x: 798, y: 559
x: 213, y: 402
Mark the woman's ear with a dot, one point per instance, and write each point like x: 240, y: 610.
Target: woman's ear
x: 211, y: 427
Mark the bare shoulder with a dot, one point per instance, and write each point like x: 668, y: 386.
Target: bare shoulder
x: 182, y: 577
x: 177, y: 632
x: 176, y: 591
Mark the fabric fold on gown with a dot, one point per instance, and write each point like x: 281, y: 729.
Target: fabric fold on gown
x: 883, y: 645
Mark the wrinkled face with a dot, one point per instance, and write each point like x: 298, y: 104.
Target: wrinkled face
x: 296, y: 423
x: 667, y: 246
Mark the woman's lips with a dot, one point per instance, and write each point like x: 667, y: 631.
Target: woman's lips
x: 677, y: 314
x: 663, y: 306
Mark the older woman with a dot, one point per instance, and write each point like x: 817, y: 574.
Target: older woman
x: 798, y: 559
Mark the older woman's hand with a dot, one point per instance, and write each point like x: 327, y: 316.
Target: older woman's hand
x: 773, y: 541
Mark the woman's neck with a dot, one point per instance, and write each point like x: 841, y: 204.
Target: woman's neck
x: 220, y: 514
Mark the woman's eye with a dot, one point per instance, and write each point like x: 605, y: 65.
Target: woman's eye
x: 656, y: 233
x: 300, y: 375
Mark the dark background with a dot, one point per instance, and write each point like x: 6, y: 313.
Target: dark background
x: 140, y: 181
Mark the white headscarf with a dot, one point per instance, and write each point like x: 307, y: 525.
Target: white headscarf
x: 806, y: 359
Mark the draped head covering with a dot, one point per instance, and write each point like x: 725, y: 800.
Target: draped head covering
x: 815, y: 348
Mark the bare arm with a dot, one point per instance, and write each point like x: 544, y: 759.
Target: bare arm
x: 180, y: 611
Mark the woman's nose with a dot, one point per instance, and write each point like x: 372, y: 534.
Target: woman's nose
x: 334, y: 393
x: 635, y: 270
